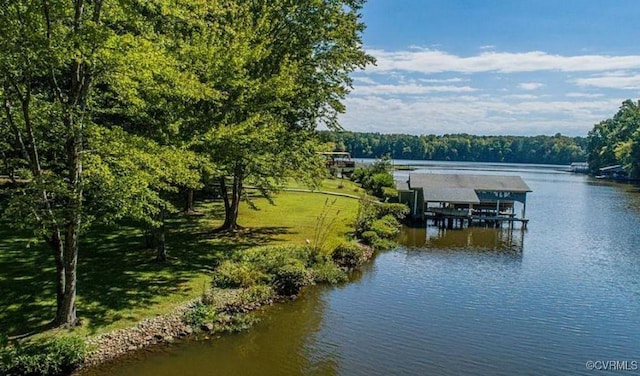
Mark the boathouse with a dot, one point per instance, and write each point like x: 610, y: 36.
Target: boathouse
x: 451, y: 199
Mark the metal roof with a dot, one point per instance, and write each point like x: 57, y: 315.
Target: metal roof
x: 452, y: 195
x: 402, y: 185
x: 495, y: 183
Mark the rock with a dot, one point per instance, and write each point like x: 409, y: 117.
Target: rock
x: 207, y: 327
x: 188, y: 331
x: 168, y: 339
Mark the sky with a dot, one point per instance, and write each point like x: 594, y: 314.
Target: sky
x: 495, y: 67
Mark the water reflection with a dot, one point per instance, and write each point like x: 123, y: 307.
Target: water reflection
x: 282, y: 343
x: 470, y: 239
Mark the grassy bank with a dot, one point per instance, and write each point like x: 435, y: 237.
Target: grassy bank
x: 119, y: 284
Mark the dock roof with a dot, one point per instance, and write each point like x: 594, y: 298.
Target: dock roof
x: 463, y: 184
x: 453, y: 195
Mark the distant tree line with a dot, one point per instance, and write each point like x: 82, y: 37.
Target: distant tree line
x: 556, y: 149
x: 616, y: 141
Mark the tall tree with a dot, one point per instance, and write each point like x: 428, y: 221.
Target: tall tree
x: 63, y: 85
x: 47, y: 76
x: 288, y: 72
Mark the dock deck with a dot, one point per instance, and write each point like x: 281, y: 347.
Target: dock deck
x: 449, y: 217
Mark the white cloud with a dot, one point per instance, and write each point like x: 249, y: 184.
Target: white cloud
x: 611, y: 81
x: 435, y: 61
x: 443, y: 80
x: 363, y: 80
x: 584, y: 95
x: 475, y: 115
x: 409, y: 89
x: 522, y: 96
x: 487, y: 47
x: 530, y: 85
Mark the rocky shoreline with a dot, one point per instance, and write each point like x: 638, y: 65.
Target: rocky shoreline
x: 169, y: 327
x: 152, y: 331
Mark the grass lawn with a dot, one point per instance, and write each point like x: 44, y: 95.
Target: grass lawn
x: 119, y: 284
x: 333, y: 185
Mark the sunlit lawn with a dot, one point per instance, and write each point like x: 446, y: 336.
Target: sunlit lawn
x: 332, y: 185
x: 119, y: 284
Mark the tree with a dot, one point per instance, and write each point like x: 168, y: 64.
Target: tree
x: 47, y: 78
x: 287, y: 71
x: 617, y: 140
x: 62, y: 86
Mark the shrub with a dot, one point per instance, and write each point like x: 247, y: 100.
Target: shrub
x: 234, y: 323
x: 386, y: 227
x: 57, y: 356
x: 370, y: 237
x: 232, y: 274
x: 289, y: 279
x: 270, y: 258
x: 257, y: 294
x: 367, y: 213
x: 379, y: 181
x: 399, y: 211
x: 375, y: 177
x: 380, y: 244
x: 348, y: 255
x: 389, y: 194
x: 328, y: 272
x: 199, y: 315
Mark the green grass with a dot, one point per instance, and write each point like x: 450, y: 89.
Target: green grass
x: 333, y: 185
x: 119, y: 284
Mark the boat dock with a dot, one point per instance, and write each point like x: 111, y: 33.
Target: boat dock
x: 456, y: 200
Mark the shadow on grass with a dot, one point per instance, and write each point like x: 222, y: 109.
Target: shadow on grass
x: 116, y: 274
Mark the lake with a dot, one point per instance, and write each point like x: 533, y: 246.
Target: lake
x: 477, y: 301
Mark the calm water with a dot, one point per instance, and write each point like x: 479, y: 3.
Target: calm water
x: 475, y: 301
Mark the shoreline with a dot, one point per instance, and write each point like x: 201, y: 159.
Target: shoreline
x: 165, y: 329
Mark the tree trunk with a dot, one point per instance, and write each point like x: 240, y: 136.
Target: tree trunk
x: 159, y: 238
x: 67, y: 312
x: 149, y: 237
x: 188, y: 204
x: 68, y: 316
x: 55, y: 242
x: 231, y: 206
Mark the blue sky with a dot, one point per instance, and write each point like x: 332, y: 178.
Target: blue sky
x: 519, y: 67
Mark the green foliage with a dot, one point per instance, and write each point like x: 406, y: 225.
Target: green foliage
x: 617, y: 140
x: 290, y: 278
x: 234, y: 323
x: 390, y: 194
x: 370, y: 238
x: 556, y: 149
x: 376, y: 177
x: 329, y: 272
x: 273, y: 257
x: 286, y: 269
x: 397, y: 210
x: 348, y: 255
x: 325, y: 222
x: 386, y: 227
x: 379, y: 181
x: 200, y: 314
x: 367, y: 213
x: 377, y: 224
x: 56, y: 356
x: 238, y: 274
x: 257, y: 294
